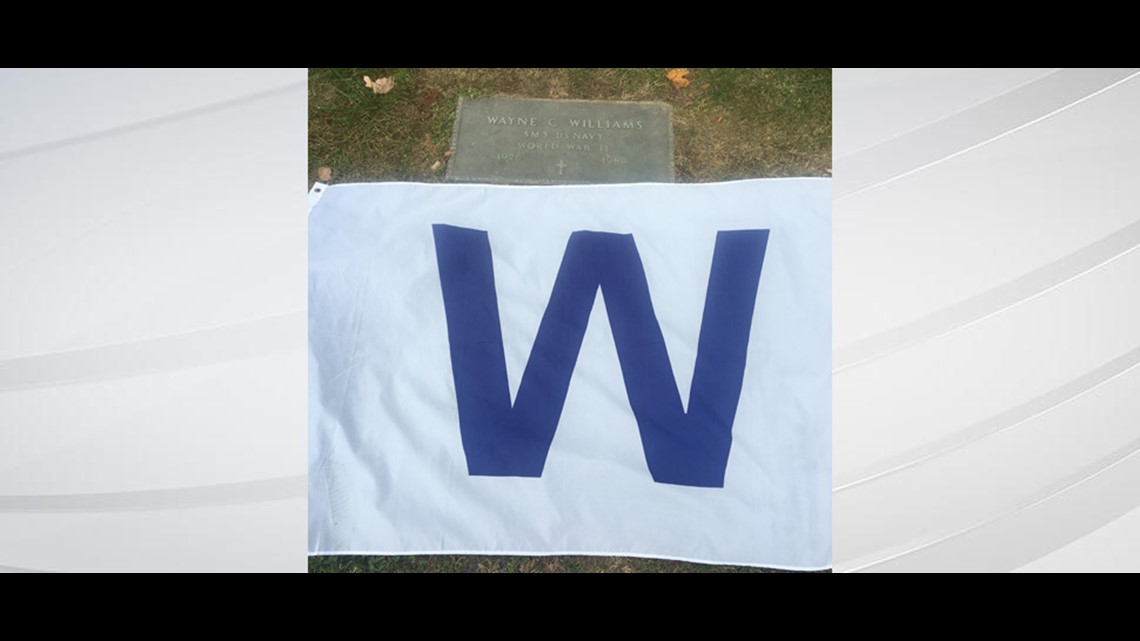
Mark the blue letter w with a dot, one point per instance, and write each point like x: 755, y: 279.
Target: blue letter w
x: 680, y: 448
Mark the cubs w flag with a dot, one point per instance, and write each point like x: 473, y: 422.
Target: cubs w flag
x: 630, y: 370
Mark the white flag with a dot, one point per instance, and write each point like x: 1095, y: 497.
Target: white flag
x: 634, y: 370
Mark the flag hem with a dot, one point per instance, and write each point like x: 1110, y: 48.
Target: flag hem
x: 659, y: 557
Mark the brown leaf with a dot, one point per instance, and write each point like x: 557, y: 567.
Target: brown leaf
x: 380, y: 85
x: 721, y: 119
x: 428, y: 99
x: 448, y: 154
x: 677, y: 77
x: 829, y: 171
x: 324, y: 174
x: 436, y: 166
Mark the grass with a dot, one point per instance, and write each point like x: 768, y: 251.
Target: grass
x: 515, y: 564
x: 728, y: 124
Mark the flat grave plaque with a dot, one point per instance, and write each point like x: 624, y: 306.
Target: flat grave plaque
x: 538, y: 142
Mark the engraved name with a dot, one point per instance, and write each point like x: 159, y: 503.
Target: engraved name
x: 512, y: 121
x: 587, y: 123
x: 607, y: 124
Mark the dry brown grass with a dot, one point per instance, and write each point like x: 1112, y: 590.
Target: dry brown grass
x: 728, y: 123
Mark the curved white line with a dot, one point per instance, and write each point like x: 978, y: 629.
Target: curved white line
x: 968, y: 108
x: 1132, y: 448
x: 218, y: 344
x: 987, y: 141
x: 990, y: 303
x: 1039, y: 406
x: 149, y: 122
x: 274, y: 489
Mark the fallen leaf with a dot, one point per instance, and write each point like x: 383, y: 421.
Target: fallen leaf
x: 428, y: 99
x: 324, y: 174
x: 448, y: 154
x: 677, y: 77
x: 435, y: 166
x: 380, y: 85
x: 721, y: 119
x: 829, y: 171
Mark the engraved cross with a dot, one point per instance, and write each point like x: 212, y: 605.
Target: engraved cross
x: 561, y: 165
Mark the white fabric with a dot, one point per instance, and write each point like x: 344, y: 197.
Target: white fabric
x: 387, y: 472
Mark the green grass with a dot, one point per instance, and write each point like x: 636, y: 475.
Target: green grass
x: 727, y: 124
